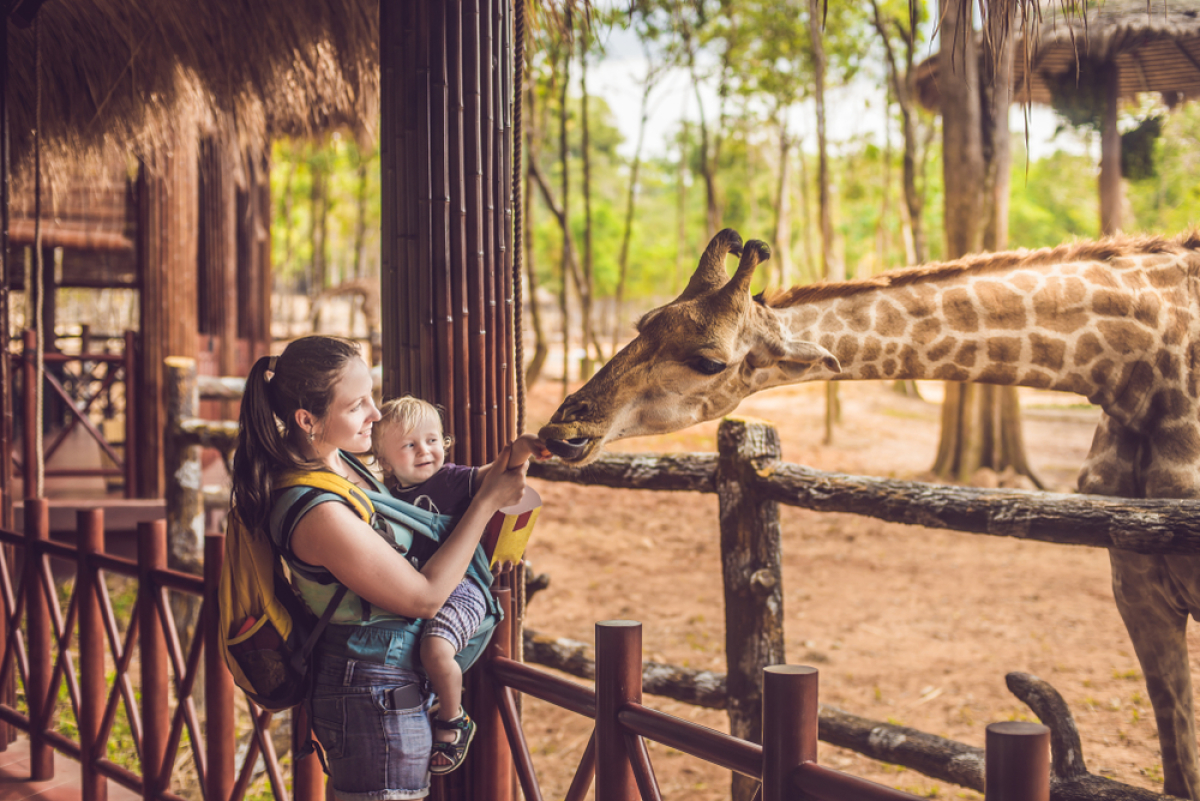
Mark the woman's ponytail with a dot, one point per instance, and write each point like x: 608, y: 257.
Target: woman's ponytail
x: 304, y: 376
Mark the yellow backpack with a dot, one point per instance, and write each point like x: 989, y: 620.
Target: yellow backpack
x: 267, y: 632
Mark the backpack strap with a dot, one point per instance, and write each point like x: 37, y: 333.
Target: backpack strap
x: 300, y: 657
x: 350, y: 492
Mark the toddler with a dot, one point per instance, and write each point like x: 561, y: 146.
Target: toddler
x: 409, y: 445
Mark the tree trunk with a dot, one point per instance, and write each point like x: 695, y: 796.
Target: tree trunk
x: 585, y: 289
x: 568, y: 256
x: 288, y: 248
x: 712, y: 213
x: 360, y: 232
x: 533, y: 370
x: 318, y: 228
x: 831, y: 266
x: 783, y: 209
x: 811, y: 273
x: 1110, y: 155
x: 981, y: 424
x: 630, y: 202
x: 681, y: 209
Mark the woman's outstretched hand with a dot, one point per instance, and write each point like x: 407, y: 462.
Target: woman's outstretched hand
x: 500, y: 487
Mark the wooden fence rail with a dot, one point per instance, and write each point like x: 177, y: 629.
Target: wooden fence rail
x: 785, y: 765
x: 84, y: 650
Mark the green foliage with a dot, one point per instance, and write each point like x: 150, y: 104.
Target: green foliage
x: 1058, y: 200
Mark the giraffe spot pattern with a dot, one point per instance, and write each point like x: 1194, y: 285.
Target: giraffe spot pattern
x: 1047, y: 351
x: 941, y: 349
x: 1004, y: 349
x: 1003, y: 307
x: 1087, y: 348
x: 959, y: 310
x: 1125, y: 337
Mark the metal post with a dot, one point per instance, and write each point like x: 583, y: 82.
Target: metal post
x: 618, y: 681
x: 37, y: 619
x: 219, y: 741
x: 90, y: 540
x: 152, y: 556
x: 789, y: 731
x: 1018, y: 762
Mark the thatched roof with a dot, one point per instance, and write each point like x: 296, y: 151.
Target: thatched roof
x: 116, y: 74
x: 1155, y: 46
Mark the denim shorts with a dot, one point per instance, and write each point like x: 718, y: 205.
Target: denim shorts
x: 374, y: 751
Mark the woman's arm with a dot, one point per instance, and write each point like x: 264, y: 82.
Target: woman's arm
x: 332, y: 536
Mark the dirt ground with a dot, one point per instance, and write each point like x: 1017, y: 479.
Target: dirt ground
x: 910, y: 625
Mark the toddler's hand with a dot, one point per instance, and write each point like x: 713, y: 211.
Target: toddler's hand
x: 503, y: 488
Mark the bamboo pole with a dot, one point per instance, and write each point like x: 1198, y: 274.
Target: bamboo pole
x: 460, y: 410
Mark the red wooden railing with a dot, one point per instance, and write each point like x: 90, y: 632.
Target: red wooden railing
x: 116, y: 368
x: 157, y: 698
x: 1018, y: 754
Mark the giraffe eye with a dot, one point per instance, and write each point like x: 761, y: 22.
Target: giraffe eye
x: 707, y: 366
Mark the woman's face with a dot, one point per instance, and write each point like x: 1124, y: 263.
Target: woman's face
x: 347, y: 424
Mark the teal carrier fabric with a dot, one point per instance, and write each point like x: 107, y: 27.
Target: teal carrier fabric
x: 359, y: 630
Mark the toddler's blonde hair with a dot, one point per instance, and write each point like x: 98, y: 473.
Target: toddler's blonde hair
x: 404, y: 414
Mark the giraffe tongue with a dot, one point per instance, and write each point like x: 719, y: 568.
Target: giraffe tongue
x: 569, y: 449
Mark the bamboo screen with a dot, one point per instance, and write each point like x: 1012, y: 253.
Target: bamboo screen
x: 446, y: 156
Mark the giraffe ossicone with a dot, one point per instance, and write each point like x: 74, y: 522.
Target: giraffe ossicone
x: 1116, y: 320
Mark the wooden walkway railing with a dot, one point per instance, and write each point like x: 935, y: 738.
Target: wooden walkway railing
x: 115, y: 368
x: 616, y: 757
x: 140, y: 666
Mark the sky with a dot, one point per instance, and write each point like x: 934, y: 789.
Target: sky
x: 854, y: 111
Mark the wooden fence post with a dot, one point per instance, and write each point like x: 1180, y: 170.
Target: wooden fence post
x: 29, y: 438
x: 789, y: 733
x: 618, y: 681
x: 37, y: 620
x: 152, y: 651
x: 495, y: 772
x: 1018, y: 762
x: 90, y: 540
x: 219, y: 739
x: 184, y: 500
x: 132, y: 451
x: 751, y: 566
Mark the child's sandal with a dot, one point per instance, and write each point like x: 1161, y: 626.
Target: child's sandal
x: 455, y: 750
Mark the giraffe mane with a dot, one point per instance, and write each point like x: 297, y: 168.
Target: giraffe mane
x: 1112, y: 247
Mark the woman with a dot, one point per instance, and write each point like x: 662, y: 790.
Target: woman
x: 311, y: 408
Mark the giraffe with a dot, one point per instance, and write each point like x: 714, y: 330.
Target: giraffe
x: 1116, y: 320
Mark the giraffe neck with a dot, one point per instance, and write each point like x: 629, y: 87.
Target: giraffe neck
x: 1109, y: 330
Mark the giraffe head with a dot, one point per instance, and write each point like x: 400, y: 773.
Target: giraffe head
x: 692, y: 360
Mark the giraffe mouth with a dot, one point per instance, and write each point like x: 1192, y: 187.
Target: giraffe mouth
x: 570, y: 450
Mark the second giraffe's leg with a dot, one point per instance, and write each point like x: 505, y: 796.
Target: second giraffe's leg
x: 1155, y: 612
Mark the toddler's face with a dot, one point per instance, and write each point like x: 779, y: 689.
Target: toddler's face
x: 413, y: 455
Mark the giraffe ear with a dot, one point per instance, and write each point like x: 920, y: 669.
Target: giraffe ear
x: 807, y: 354
x: 794, y: 357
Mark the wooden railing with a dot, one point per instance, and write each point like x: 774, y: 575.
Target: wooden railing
x: 93, y: 653
x: 114, y: 369
x: 616, y: 757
